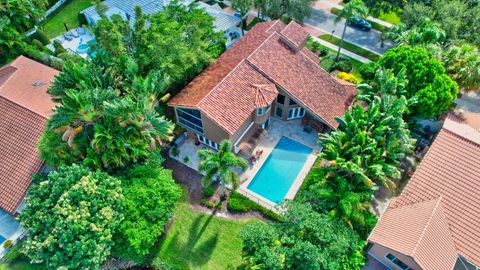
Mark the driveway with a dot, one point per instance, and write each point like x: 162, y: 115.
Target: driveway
x: 368, y: 40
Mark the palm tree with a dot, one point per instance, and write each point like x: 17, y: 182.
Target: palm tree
x: 219, y: 165
x: 354, y: 8
x: 463, y: 65
x: 242, y: 7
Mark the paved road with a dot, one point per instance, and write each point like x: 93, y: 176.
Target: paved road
x: 368, y: 40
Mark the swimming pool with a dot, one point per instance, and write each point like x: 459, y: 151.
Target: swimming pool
x: 2, y: 239
x: 277, y: 174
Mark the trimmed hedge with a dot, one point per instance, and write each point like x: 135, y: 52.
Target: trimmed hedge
x: 239, y: 203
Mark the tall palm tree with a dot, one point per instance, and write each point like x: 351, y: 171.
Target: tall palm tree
x: 463, y: 65
x: 354, y: 8
x: 220, y: 164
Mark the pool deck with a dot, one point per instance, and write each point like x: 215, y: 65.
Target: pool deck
x: 292, y: 129
x: 72, y: 45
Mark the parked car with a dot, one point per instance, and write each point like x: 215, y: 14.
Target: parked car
x: 359, y: 23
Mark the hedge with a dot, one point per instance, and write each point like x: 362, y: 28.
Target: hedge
x: 239, y: 203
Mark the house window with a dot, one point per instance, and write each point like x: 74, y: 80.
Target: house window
x: 263, y: 110
x: 190, y: 118
x: 397, y: 262
x: 281, y: 99
x: 292, y: 102
x: 279, y: 112
x: 297, y: 112
x: 208, y: 142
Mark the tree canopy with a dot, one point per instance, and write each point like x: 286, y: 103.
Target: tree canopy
x: 305, y: 239
x: 427, y: 82
x: 297, y: 10
x: 179, y: 42
x: 150, y: 197
x: 71, y: 216
x: 16, y: 18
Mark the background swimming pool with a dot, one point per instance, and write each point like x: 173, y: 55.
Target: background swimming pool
x: 280, y: 170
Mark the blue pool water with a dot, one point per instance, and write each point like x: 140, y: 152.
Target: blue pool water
x: 2, y: 239
x: 279, y: 171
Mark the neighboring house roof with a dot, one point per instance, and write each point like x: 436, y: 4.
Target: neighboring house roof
x: 126, y: 9
x: 420, y: 238
x: 24, y: 109
x: 262, y: 57
x: 25, y: 82
x: 451, y: 171
x: 223, y: 20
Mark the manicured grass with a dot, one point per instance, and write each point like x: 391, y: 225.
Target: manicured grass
x: 350, y: 47
x: 201, y: 241
x: 392, y: 17
x: 22, y: 264
x: 68, y: 14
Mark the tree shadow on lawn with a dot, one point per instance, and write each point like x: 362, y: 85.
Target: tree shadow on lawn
x: 191, y: 253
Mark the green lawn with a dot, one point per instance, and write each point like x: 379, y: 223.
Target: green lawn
x: 201, y: 241
x: 22, y: 264
x: 68, y: 14
x: 392, y: 17
x: 350, y: 47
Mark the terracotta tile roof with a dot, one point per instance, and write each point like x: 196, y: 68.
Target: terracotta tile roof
x: 17, y: 84
x: 264, y: 94
x: 451, y: 170
x: 20, y: 130
x: 298, y: 73
x: 417, y: 230
x: 294, y: 33
x: 237, y: 95
x: 24, y: 109
x: 199, y: 87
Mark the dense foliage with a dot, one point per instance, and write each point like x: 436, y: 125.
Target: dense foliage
x: 71, y: 216
x: 16, y: 18
x: 427, y: 82
x: 297, y: 10
x: 150, y: 197
x: 178, y: 42
x: 101, y: 125
x: 305, y: 239
x: 219, y: 165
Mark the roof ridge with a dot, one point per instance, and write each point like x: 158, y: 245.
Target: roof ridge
x: 273, y: 24
x: 434, y: 210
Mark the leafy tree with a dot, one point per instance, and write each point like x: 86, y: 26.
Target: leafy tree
x: 242, y: 7
x: 427, y: 82
x: 463, y: 65
x: 367, y: 146
x: 179, y: 42
x: 150, y: 196
x: 16, y: 18
x: 71, y: 216
x: 304, y: 240
x: 297, y: 10
x: 103, y: 127
x: 354, y: 8
x: 425, y: 33
x: 332, y: 194
x: 220, y: 164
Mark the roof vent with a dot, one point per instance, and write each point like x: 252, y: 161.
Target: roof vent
x: 38, y: 83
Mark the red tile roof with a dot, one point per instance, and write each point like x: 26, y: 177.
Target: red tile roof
x: 17, y: 84
x: 417, y: 230
x: 24, y: 109
x: 260, y: 57
x: 450, y: 170
x: 295, y: 34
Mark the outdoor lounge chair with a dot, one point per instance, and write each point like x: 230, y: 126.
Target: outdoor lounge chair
x: 74, y: 33
x: 67, y: 36
x: 81, y: 31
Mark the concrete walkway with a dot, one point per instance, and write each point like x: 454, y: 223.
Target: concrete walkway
x: 342, y: 51
x: 368, y: 40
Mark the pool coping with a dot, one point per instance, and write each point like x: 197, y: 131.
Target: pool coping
x: 249, y: 174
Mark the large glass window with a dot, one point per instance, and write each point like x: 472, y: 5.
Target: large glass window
x: 279, y: 112
x: 190, y: 118
x: 292, y: 102
x: 397, y: 262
